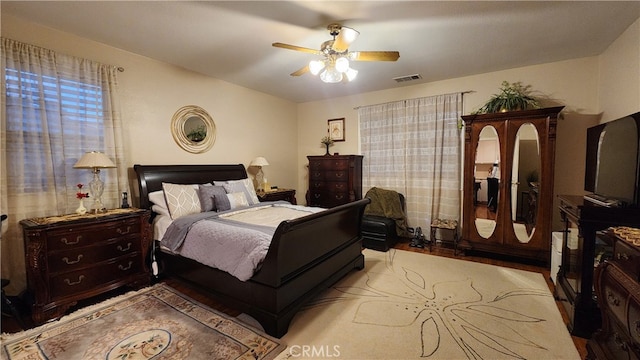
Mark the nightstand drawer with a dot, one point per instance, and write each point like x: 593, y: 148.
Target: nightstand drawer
x: 83, y: 280
x: 82, y: 257
x: 75, y: 236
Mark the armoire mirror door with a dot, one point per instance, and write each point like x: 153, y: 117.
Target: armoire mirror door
x: 526, y: 141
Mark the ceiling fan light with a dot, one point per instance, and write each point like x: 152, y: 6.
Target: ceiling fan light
x: 315, y: 66
x: 351, y: 74
x: 348, y: 34
x: 342, y: 64
x: 330, y: 75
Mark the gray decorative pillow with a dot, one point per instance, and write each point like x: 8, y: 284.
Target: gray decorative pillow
x: 244, y: 186
x: 206, y: 193
x: 181, y: 199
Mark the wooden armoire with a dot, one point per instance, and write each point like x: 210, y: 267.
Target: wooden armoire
x: 518, y: 222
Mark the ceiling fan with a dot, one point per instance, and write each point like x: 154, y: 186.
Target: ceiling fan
x: 335, y: 66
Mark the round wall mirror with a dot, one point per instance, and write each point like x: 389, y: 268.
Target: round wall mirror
x: 487, y: 179
x: 525, y: 182
x: 193, y: 129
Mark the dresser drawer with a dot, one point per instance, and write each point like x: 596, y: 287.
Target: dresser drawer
x: 616, y: 299
x: 330, y: 164
x: 634, y: 320
x: 81, y: 257
x: 75, y: 282
x: 75, y: 236
x: 628, y: 257
x: 336, y: 175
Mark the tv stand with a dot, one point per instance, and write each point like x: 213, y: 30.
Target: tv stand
x: 601, y: 200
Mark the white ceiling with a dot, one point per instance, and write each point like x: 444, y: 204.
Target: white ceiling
x: 231, y: 40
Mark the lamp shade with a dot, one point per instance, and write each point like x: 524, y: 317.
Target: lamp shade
x: 259, y: 161
x: 94, y: 159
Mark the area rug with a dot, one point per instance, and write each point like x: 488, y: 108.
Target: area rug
x: 408, y: 305
x: 156, y: 322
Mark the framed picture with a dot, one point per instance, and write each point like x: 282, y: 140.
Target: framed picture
x: 336, y: 129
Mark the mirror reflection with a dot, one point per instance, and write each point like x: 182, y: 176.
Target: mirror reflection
x: 525, y: 182
x: 193, y: 129
x: 486, y: 179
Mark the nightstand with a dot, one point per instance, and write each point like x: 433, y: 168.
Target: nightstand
x: 278, y: 194
x: 74, y: 257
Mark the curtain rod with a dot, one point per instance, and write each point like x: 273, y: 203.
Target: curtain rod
x: 389, y: 102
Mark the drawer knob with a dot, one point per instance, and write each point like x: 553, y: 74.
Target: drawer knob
x: 340, y: 186
x: 125, y: 268
x: 317, y: 196
x: 612, y: 299
x: 123, y: 249
x: 339, y: 175
x: 71, y: 283
x: 620, y: 342
x: 623, y: 256
x: 124, y: 232
x: 71, y: 262
x: 339, y: 197
x: 71, y: 242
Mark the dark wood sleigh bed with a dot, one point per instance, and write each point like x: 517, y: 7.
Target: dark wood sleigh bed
x: 306, y: 255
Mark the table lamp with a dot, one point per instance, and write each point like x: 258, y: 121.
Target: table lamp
x: 95, y: 161
x: 260, y: 162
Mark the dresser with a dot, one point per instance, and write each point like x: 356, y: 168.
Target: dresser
x: 334, y: 180
x: 74, y: 257
x: 618, y: 292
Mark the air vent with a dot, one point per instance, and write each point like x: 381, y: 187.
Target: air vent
x: 407, y: 78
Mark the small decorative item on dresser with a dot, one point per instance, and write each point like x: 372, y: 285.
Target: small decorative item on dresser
x: 327, y: 141
x: 81, y: 210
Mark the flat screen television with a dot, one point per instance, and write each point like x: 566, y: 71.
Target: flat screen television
x: 612, y: 168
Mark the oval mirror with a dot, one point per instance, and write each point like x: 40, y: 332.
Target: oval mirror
x: 486, y: 179
x: 525, y: 182
x: 193, y: 129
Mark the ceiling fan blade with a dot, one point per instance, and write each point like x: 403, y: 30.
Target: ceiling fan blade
x: 301, y: 71
x: 297, y: 48
x: 345, y: 37
x: 374, y: 55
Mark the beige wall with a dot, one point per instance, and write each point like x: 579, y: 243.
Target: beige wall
x: 248, y: 123
x: 619, y: 85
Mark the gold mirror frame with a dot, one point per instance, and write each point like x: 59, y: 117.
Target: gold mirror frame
x: 179, y: 121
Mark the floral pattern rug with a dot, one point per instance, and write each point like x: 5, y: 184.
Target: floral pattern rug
x: 154, y: 323
x: 408, y: 305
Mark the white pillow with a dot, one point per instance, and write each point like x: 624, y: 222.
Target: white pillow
x: 157, y: 198
x: 237, y: 199
x: 181, y: 199
x: 244, y: 186
x: 160, y: 210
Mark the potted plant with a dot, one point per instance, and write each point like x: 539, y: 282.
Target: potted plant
x: 198, y: 134
x: 512, y: 97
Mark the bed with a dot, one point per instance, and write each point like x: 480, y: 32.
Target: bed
x: 306, y: 255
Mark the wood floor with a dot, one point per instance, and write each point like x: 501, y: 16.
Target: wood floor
x: 9, y: 324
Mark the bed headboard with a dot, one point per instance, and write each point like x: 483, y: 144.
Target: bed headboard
x: 151, y: 177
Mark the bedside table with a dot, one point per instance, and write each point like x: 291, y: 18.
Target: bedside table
x: 278, y: 194
x: 74, y: 257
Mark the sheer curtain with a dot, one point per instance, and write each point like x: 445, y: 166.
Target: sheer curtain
x: 413, y: 147
x: 54, y: 108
